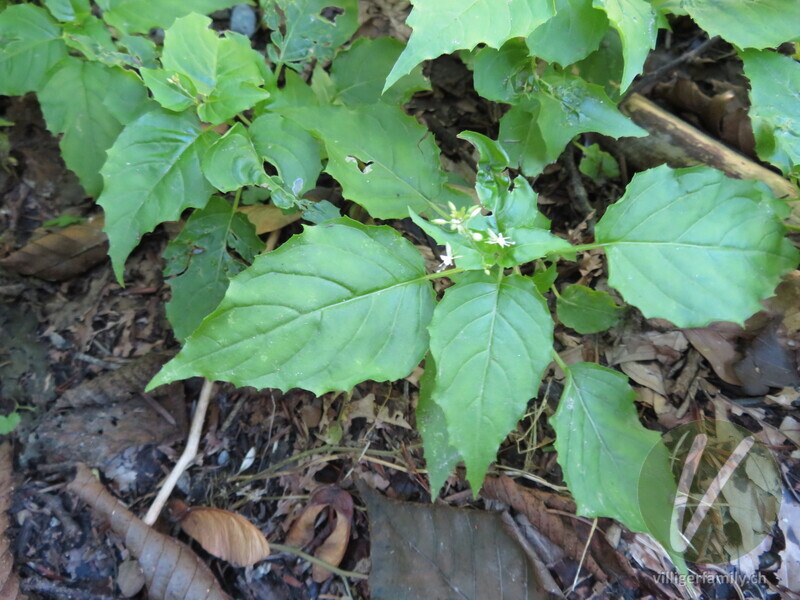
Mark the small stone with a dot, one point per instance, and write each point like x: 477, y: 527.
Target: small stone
x: 243, y: 19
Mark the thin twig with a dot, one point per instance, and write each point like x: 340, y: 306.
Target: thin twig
x: 662, y: 70
x: 189, y: 453
x: 316, y: 561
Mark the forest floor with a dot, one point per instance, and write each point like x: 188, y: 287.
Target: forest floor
x: 77, y: 349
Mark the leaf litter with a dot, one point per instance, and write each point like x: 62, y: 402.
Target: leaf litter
x: 310, y: 448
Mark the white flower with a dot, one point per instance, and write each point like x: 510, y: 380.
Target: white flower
x: 448, y: 260
x: 499, y: 239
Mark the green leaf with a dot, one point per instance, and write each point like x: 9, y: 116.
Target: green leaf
x: 440, y: 456
x: 598, y: 164
x: 384, y: 159
x: 535, y: 133
x: 101, y: 100
x: 200, y: 263
x: 503, y: 74
x: 338, y: 304
x: 68, y: 10
x: 302, y: 31
x: 442, y: 26
x: 233, y: 162
x: 572, y: 34
x: 359, y: 72
x: 226, y: 72
x: 152, y: 174
x: 91, y: 37
x: 602, y: 446
x: 604, y: 66
x: 692, y: 246
x: 544, y: 278
x: 30, y: 44
x: 142, y: 49
x: 140, y: 16
x: 521, y: 137
x: 751, y: 24
x: 173, y: 91
x: 570, y: 106
x: 491, y: 340
x: 775, y: 107
x: 9, y: 423
x: 293, y: 151
x: 586, y: 310
x: 635, y: 20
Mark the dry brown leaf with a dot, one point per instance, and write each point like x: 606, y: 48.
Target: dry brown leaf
x: 523, y: 500
x: 224, y: 534
x: 268, y: 217
x: 333, y: 547
x: 717, y: 344
x: 171, y: 570
x: 9, y: 582
x: 647, y: 374
x: 63, y: 254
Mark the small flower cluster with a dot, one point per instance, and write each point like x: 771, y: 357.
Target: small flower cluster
x: 459, y: 221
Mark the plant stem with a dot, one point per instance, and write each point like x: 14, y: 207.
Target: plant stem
x: 447, y: 273
x: 560, y: 362
x: 317, y: 561
x: 189, y: 453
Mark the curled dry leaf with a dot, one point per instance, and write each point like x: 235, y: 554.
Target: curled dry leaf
x: 62, y: 254
x: 333, y: 547
x: 171, y: 570
x: 9, y: 582
x: 268, y: 217
x: 222, y: 533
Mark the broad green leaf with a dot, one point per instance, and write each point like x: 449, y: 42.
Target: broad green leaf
x: 142, y: 49
x: 440, y: 456
x: 226, y: 72
x: 535, y: 132
x: 598, y: 164
x: 522, y: 139
x: 305, y: 30
x: 635, y: 20
x: 200, y: 263
x: 693, y: 246
x: 570, y: 106
x: 173, y: 91
x: 30, y: 44
x: 604, y: 66
x: 491, y: 339
x: 586, y: 310
x: 101, y: 100
x: 572, y: 34
x: 68, y: 10
x: 602, y: 446
x: 359, y: 73
x: 442, y: 26
x: 751, y: 24
x: 383, y: 159
x: 775, y: 107
x: 544, y: 277
x: 91, y: 37
x: 140, y: 16
x: 340, y: 303
x: 503, y: 74
x: 233, y: 162
x: 152, y: 175
x: 293, y: 151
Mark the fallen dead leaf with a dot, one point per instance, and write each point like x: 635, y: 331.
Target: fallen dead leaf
x: 340, y: 510
x: 224, y: 534
x: 717, y: 344
x: 268, y: 217
x: 62, y: 254
x: 429, y: 551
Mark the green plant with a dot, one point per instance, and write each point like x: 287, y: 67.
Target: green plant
x: 344, y: 301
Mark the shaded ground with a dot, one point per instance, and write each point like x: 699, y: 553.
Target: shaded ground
x: 78, y: 353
